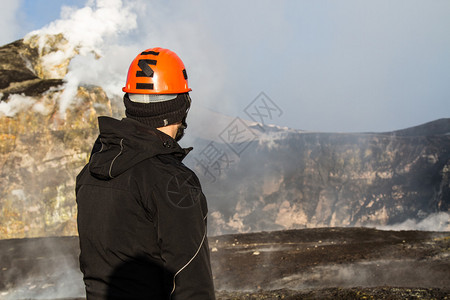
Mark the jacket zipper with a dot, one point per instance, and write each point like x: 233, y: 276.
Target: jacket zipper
x: 179, y: 271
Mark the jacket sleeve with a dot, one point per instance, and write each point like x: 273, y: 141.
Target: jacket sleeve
x: 181, y: 228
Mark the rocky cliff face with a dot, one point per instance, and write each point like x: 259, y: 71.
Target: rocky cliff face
x: 41, y: 148
x: 284, y: 179
x: 293, y: 179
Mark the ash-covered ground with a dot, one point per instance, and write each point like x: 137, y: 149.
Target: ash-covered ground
x: 333, y: 263
x: 322, y: 263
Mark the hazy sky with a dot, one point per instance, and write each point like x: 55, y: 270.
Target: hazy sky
x: 374, y: 65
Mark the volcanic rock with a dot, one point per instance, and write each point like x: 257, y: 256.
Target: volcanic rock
x: 289, y: 179
x: 41, y: 148
x: 322, y: 263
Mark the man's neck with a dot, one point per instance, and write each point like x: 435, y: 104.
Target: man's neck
x: 170, y: 130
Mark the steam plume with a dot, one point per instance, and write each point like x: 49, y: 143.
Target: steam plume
x: 90, y: 43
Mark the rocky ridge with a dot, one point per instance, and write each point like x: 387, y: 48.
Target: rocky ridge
x: 318, y: 179
x: 41, y: 148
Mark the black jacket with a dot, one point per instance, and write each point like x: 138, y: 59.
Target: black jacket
x: 141, y: 218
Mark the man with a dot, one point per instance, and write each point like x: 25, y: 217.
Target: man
x: 141, y: 212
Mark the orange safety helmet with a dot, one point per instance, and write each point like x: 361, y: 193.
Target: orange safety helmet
x: 157, y: 71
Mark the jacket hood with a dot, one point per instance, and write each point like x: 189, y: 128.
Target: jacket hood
x: 122, y: 144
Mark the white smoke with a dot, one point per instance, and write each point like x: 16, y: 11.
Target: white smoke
x: 91, y: 44
x: 235, y: 49
x: 102, y: 38
x: 69, y: 285
x: 434, y: 222
x: 289, y: 217
x: 61, y: 281
x: 18, y: 103
x: 89, y: 29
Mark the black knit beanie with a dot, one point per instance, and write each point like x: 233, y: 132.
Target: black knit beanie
x: 158, y: 114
